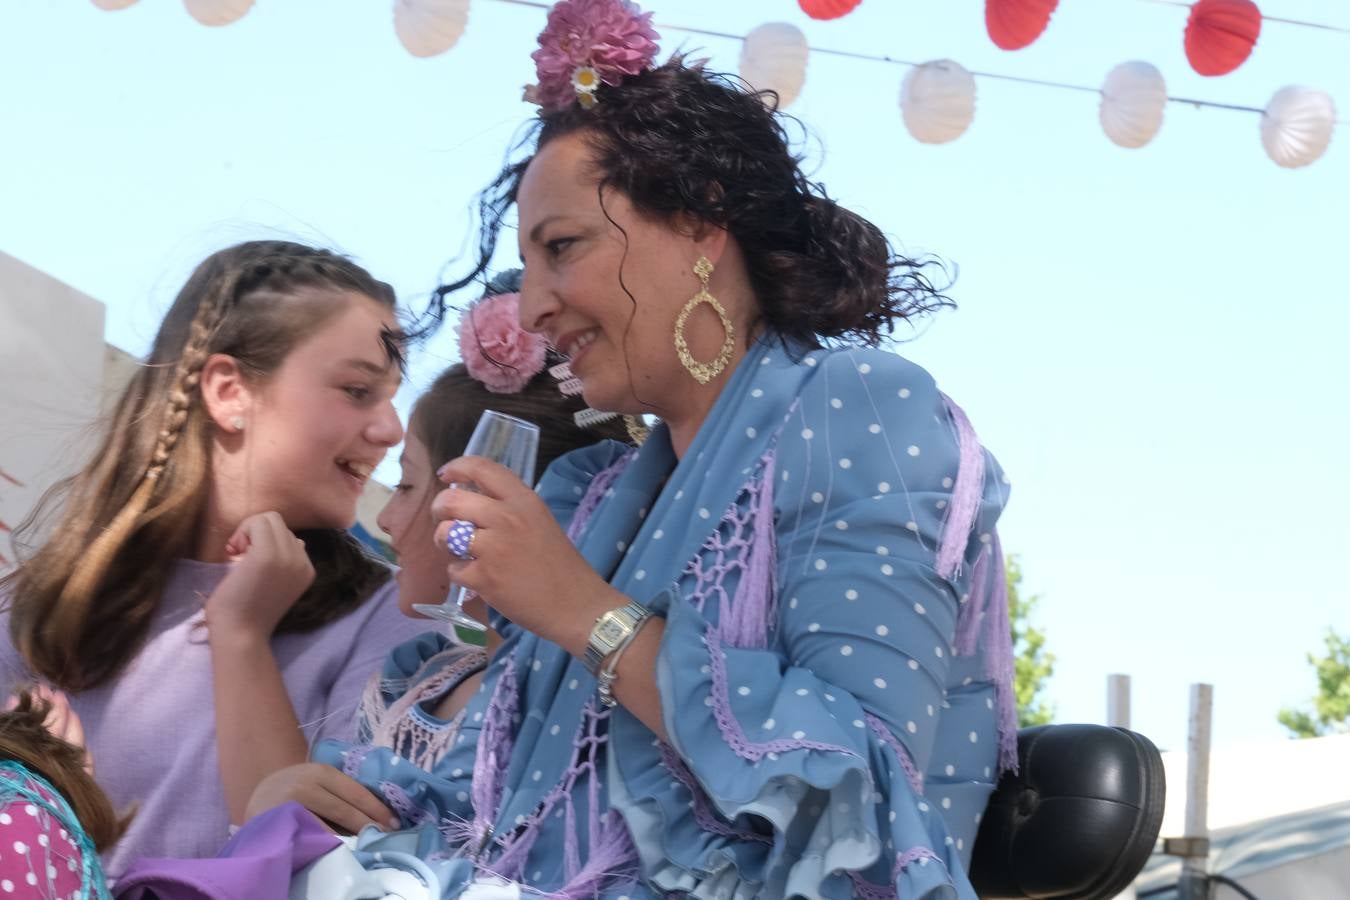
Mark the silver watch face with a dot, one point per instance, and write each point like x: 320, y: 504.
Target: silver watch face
x: 610, y: 631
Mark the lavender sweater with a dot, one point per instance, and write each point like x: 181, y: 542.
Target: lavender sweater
x: 151, y: 729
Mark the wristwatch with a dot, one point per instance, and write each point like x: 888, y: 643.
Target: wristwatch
x: 610, y: 632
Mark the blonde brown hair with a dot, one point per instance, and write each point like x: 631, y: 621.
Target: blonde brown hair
x: 80, y: 606
x: 25, y: 739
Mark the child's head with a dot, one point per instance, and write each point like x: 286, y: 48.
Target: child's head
x: 297, y: 397
x: 443, y: 419
x: 24, y: 739
x: 269, y: 387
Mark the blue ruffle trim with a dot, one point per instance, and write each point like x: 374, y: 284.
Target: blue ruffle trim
x: 786, y: 794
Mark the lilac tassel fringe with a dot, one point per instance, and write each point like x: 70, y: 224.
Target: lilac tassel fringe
x: 746, y: 623
x: 494, y: 752
x: 612, y: 857
x: 973, y: 610
x: 595, y: 493
x: 966, y: 494
x: 998, y: 660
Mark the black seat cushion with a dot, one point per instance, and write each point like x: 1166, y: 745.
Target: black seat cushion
x: 1079, y: 819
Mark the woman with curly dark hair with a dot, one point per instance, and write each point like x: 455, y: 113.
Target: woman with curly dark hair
x: 766, y: 654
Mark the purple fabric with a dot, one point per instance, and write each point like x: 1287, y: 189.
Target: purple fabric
x: 730, y: 726
x: 974, y: 606
x: 869, y: 891
x: 612, y: 854
x: 494, y: 752
x: 998, y: 660
x: 911, y: 856
x: 151, y: 729
x: 698, y: 801
x: 399, y: 801
x: 966, y: 494
x: 746, y: 623
x: 988, y: 607
x: 257, y: 862
x: 596, y: 492
x: 912, y: 774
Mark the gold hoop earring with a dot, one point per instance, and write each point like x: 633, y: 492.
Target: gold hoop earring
x: 704, y: 372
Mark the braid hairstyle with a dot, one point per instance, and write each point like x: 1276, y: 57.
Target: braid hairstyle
x: 81, y: 603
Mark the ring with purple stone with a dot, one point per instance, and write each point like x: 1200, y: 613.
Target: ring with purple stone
x: 459, y: 541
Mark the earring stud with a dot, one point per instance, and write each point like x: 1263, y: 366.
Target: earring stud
x: 237, y: 423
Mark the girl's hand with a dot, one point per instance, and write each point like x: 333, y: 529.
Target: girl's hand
x: 340, y: 801
x: 271, y: 571
x: 524, y: 566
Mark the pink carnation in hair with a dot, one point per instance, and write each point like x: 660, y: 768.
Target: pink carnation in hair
x: 610, y: 36
x: 498, y: 353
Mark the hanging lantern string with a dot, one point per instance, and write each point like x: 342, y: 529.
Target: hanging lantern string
x: 1264, y: 17
x: 883, y: 58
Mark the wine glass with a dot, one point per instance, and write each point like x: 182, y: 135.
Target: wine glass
x: 514, y: 443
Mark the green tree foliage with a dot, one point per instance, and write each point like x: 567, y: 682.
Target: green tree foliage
x: 1330, y: 713
x: 1033, y: 664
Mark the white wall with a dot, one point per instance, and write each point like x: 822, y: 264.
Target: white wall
x: 51, y: 379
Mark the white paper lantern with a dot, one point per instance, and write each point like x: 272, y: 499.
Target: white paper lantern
x: 113, y: 5
x: 773, y: 58
x: 1133, y: 98
x: 1296, y: 126
x: 217, y: 12
x: 428, y: 27
x: 937, y: 101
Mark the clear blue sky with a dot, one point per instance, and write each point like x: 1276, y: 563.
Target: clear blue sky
x: 1152, y: 341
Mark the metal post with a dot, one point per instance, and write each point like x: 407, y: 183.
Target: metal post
x: 1118, y: 701
x: 1194, y: 883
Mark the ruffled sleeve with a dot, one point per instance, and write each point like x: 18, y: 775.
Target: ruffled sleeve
x: 803, y: 776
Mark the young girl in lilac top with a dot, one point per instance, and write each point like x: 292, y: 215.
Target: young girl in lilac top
x: 198, y: 597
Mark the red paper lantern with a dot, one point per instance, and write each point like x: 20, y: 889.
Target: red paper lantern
x: 828, y: 9
x: 1014, y: 24
x: 1220, y: 35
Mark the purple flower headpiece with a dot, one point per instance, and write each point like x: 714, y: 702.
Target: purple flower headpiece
x: 587, y: 43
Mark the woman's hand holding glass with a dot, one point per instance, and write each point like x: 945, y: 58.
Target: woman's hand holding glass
x: 514, y: 444
x: 524, y: 566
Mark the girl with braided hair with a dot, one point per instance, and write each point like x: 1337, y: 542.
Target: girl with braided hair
x: 196, y: 595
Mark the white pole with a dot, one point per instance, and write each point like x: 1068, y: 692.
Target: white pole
x: 1194, y: 883
x: 1118, y: 701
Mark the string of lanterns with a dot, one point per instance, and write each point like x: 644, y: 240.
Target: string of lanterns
x: 208, y: 12
x: 937, y: 98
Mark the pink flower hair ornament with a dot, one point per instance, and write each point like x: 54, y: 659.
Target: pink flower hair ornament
x: 496, y: 351
x: 587, y: 43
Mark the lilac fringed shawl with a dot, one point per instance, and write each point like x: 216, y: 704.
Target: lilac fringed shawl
x: 710, y: 533
x: 985, y: 603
